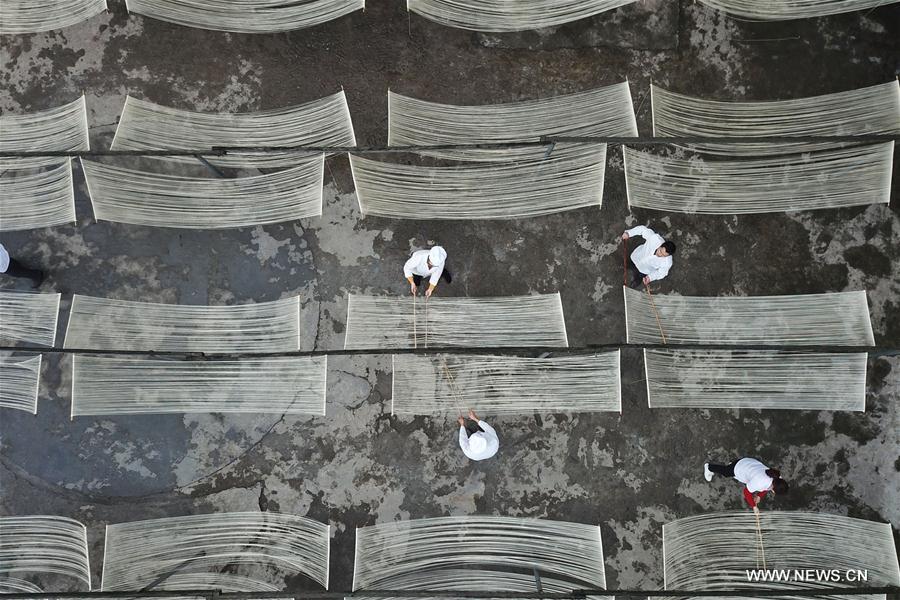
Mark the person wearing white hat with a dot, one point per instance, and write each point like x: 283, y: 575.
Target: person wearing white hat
x: 477, y: 439
x: 427, y: 263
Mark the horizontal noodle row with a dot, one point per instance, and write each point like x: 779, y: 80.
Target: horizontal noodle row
x: 257, y: 551
x: 270, y: 16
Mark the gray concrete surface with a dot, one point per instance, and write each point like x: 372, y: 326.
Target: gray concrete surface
x: 630, y: 473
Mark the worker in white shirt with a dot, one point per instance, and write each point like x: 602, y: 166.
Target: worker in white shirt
x: 651, y: 260
x: 13, y: 268
x: 758, y: 479
x: 426, y: 263
x: 477, y: 439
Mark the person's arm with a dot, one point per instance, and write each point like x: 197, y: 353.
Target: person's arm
x: 433, y: 281
x: 639, y: 230
x: 661, y: 272
x: 463, y: 438
x: 407, y: 272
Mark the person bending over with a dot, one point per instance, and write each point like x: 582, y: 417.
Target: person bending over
x: 426, y: 263
x: 758, y: 479
x: 477, y: 439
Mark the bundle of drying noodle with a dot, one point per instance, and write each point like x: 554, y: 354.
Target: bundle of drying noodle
x: 606, y: 111
x: 828, y: 179
x: 839, y: 318
x: 38, y: 191
x: 108, y: 324
x: 384, y: 322
x: 505, y: 384
x: 44, y: 544
x: 503, y: 15
x: 873, y: 110
x: 28, y: 317
x: 200, y: 551
x: 19, y: 381
x: 322, y: 122
x: 782, y: 10
x: 34, y: 16
x: 432, y: 553
x: 759, y: 379
x: 509, y: 187
x: 158, y: 200
x: 715, y: 551
x: 245, y: 16
x: 57, y: 129
x: 120, y: 385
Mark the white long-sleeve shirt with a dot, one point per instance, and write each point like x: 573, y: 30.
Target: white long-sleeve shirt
x: 493, y: 442
x: 4, y: 259
x: 418, y: 265
x: 752, y: 473
x: 644, y: 256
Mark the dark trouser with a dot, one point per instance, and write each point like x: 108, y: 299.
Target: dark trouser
x: 635, y: 277
x: 472, y: 427
x: 445, y: 276
x: 726, y: 470
x: 17, y: 269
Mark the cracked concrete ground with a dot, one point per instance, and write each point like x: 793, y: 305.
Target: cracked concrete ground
x: 359, y: 465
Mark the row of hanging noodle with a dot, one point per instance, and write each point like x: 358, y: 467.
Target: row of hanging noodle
x: 272, y: 16
x: 468, y: 162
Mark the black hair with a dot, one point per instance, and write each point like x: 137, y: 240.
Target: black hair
x: 780, y: 486
x: 669, y: 246
x: 773, y: 473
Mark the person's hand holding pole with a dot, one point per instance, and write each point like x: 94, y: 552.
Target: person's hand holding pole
x: 472, y: 415
x: 429, y: 291
x: 461, y: 421
x: 412, y: 286
x: 625, y: 236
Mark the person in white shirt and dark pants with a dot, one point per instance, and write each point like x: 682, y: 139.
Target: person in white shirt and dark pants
x: 477, y: 439
x: 651, y: 260
x: 758, y: 479
x: 426, y: 263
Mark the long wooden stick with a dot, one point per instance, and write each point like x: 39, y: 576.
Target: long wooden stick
x: 452, y: 384
x: 426, y: 321
x: 655, y: 313
x: 415, y: 333
x: 761, y: 549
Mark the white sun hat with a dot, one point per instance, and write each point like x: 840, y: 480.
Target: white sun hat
x: 437, y: 256
x: 477, y: 443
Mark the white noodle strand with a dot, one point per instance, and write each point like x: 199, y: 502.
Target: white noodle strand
x: 30, y: 199
x: 108, y: 324
x: 570, y: 178
x: 606, y: 111
x: 413, y: 554
x: 322, y: 122
x: 159, y: 200
x: 141, y: 553
x: 245, y: 16
x: 783, y: 10
x: 760, y: 379
x: 873, y: 110
x: 28, y: 317
x: 385, y: 322
x: 35, y: 16
x: 840, y: 319
x: 44, y: 544
x: 19, y: 382
x: 58, y: 129
x: 503, y: 15
x: 715, y: 551
x: 828, y: 179
x: 119, y: 385
x: 505, y: 384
